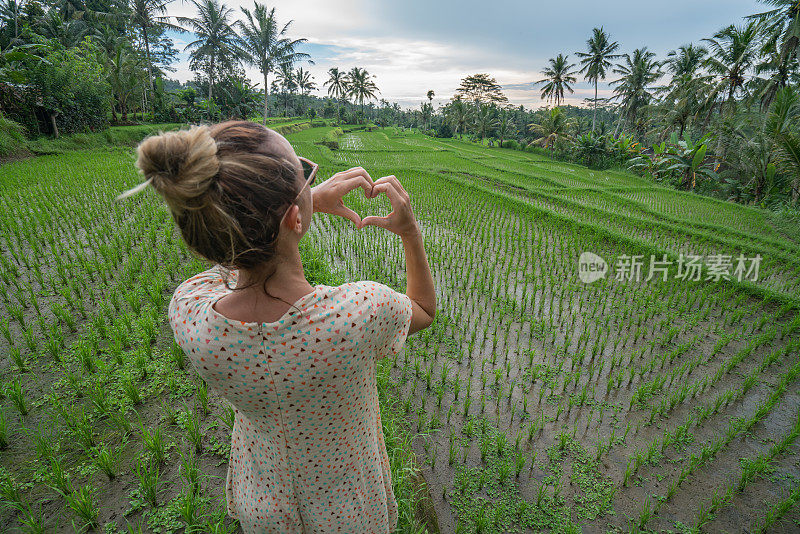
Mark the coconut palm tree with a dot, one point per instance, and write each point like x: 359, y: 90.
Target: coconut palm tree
x: 781, y: 26
x: 684, y: 95
x: 337, y: 86
x: 430, y: 96
x: 458, y: 114
x: 266, y: 44
x: 634, y: 89
x: 558, y: 77
x: 150, y: 16
x: 361, y: 86
x: 685, y: 61
x: 304, y: 81
x: 68, y: 33
x: 505, y: 126
x: 286, y: 79
x: 780, y: 73
x: 124, y: 71
x: 485, y: 120
x: 596, y: 60
x: 553, y: 127
x: 217, y: 45
x: 733, y: 52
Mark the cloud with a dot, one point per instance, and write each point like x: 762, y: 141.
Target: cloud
x: 415, y: 46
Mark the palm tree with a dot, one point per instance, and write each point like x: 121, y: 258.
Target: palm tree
x: 337, y: 86
x: 684, y: 93
x: 780, y: 72
x: 458, y: 114
x: 504, y: 126
x: 639, y: 71
x: 124, y: 77
x: 150, y: 16
x: 782, y: 29
x: 733, y: 51
x: 361, y: 86
x: 553, y: 127
x: 485, y: 121
x: 558, y: 77
x: 685, y: 61
x: 304, y: 82
x: 430, y: 96
x: 217, y: 45
x: 11, y: 17
x: 286, y: 78
x: 597, y: 60
x: 426, y: 110
x: 267, y: 45
x: 68, y: 33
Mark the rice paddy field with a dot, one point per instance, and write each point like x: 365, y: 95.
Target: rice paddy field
x: 663, y: 398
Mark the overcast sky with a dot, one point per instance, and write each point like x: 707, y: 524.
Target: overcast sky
x: 412, y: 46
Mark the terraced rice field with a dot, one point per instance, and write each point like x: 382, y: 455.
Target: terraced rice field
x: 545, y: 403
x: 538, y: 402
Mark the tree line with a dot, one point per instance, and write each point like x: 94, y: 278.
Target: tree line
x: 73, y: 65
x: 719, y: 116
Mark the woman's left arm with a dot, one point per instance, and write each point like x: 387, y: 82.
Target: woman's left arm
x: 327, y: 196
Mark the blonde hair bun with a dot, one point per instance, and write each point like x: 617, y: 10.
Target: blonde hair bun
x: 181, y: 165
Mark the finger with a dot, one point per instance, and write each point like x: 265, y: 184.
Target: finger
x: 354, y: 183
x: 347, y: 213
x: 372, y: 220
x: 351, y: 173
x: 393, y: 180
x: 389, y: 190
x: 398, y: 185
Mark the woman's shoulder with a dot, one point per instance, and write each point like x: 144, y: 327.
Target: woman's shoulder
x: 350, y: 293
x: 201, y: 287
x: 373, y: 293
x: 206, y: 282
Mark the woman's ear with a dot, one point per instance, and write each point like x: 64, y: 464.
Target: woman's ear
x: 294, y: 219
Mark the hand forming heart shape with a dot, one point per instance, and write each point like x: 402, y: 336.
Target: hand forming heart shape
x: 327, y: 198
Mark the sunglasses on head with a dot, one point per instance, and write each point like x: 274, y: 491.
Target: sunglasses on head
x: 309, y: 173
x: 309, y: 170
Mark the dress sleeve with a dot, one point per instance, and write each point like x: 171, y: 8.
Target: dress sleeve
x: 391, y: 318
x: 191, y: 293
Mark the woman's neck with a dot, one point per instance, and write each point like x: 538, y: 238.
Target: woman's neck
x: 288, y: 281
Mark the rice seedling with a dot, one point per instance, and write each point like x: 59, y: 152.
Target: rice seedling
x: 190, y: 471
x: 130, y: 387
x: 120, y: 421
x: 154, y: 441
x: 188, y: 507
x: 83, y: 503
x: 15, y: 392
x: 178, y: 356
x: 10, y: 493
x: 80, y: 426
x: 148, y: 475
x: 201, y: 394
x: 190, y: 422
x: 107, y: 460
x: 15, y: 355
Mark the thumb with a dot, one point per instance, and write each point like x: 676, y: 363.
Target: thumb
x: 372, y: 220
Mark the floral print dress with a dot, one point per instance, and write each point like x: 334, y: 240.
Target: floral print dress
x: 307, y: 450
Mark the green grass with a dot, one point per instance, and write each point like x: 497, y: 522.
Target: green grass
x: 12, y: 138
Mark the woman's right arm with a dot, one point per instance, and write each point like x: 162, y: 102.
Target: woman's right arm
x: 401, y: 221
